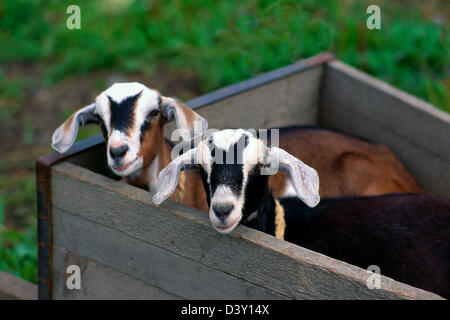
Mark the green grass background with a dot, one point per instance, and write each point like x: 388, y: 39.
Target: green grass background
x: 221, y: 42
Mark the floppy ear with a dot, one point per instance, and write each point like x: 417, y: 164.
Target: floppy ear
x: 64, y: 136
x: 304, y: 178
x: 169, y: 176
x: 185, y: 117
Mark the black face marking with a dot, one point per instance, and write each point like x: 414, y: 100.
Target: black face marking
x: 100, y: 121
x: 254, y: 192
x: 144, y: 127
x: 204, y: 176
x: 122, y: 113
x: 227, y: 167
x: 159, y: 102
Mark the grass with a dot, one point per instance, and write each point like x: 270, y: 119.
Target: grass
x: 227, y: 41
x: 221, y: 42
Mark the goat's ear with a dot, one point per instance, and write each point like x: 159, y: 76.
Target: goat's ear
x: 304, y: 178
x: 169, y: 176
x: 185, y: 117
x: 64, y: 137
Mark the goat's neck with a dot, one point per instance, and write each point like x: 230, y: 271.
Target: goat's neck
x: 266, y: 213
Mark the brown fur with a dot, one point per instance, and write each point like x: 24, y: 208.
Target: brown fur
x: 194, y: 193
x: 154, y: 144
x: 347, y: 166
x: 280, y: 221
x: 68, y: 122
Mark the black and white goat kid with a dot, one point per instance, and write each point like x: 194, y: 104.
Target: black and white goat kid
x: 232, y: 164
x: 406, y: 235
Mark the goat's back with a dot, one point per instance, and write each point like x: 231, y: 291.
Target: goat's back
x: 347, y: 165
x: 407, y: 236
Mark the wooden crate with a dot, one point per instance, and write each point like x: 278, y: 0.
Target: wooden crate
x: 127, y: 247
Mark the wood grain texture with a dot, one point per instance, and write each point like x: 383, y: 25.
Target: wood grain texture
x: 288, y: 101
x: 417, y: 132
x: 14, y: 288
x: 99, y: 281
x: 126, y: 220
x: 148, y: 263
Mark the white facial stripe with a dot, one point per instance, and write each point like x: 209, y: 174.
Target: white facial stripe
x: 224, y: 195
x: 117, y: 138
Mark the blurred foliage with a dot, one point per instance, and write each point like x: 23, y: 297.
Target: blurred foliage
x: 228, y: 41
x: 18, y: 250
x: 222, y: 42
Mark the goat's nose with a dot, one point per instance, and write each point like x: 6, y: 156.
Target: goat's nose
x: 118, y: 152
x: 222, y: 210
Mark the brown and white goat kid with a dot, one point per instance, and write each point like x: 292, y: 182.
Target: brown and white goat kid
x: 132, y: 118
x: 406, y: 235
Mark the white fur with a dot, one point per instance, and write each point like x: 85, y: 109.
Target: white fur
x: 305, y: 179
x: 224, y: 139
x: 168, y: 177
x: 153, y: 175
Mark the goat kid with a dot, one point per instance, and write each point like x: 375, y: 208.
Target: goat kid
x: 407, y: 236
x: 348, y: 165
x: 132, y: 118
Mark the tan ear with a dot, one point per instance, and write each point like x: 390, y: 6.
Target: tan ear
x: 169, y: 176
x: 185, y: 117
x: 64, y: 137
x: 304, y: 178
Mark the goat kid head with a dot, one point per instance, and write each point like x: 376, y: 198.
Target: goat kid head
x: 131, y: 117
x: 234, y: 166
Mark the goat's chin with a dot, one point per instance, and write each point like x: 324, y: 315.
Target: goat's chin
x: 226, y: 228
x: 128, y: 170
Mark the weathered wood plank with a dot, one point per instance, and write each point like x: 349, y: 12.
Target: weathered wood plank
x: 414, y: 130
x: 289, y: 101
x: 245, y: 254
x: 150, y: 264
x: 15, y: 288
x: 99, y: 281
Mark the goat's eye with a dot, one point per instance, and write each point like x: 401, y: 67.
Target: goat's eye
x: 154, y: 113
